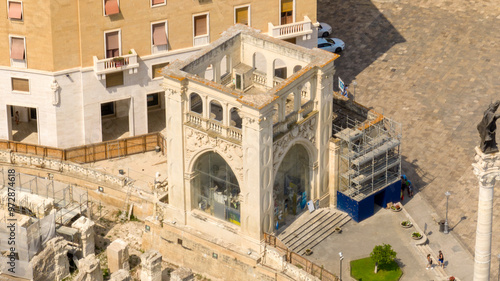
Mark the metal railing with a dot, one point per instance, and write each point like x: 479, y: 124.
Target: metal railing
x: 300, y: 261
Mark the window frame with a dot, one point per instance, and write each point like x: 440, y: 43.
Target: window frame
x: 157, y: 5
x: 293, y: 12
x: 18, y: 91
x: 166, y: 34
x: 22, y: 10
x: 25, y: 60
x: 249, y: 13
x: 119, y: 42
x: 207, y: 14
x: 104, y: 8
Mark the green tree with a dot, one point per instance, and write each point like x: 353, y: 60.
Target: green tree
x: 382, y: 255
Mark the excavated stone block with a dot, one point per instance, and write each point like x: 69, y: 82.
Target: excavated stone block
x: 86, y: 228
x: 151, y: 266
x: 89, y: 269
x: 51, y: 263
x: 181, y: 274
x: 121, y: 275
x: 118, y: 256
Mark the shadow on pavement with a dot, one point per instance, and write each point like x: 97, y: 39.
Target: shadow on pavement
x: 365, y: 30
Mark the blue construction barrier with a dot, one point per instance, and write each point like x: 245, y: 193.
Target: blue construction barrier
x: 360, y: 210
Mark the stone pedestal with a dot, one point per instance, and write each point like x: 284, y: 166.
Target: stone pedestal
x: 181, y: 274
x: 151, y: 266
x: 86, y: 228
x: 121, y: 275
x: 89, y: 269
x: 118, y: 256
x: 487, y: 169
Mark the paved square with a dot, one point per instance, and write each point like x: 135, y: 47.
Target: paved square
x: 435, y: 67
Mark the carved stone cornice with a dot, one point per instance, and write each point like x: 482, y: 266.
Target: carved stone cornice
x: 487, y: 167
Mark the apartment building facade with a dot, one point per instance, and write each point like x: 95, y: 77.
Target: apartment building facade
x: 81, y: 72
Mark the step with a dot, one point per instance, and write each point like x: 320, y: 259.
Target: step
x: 424, y: 250
x: 311, y: 230
x: 298, y: 230
x: 305, y: 226
x: 324, y: 226
x: 331, y: 231
x: 309, y: 227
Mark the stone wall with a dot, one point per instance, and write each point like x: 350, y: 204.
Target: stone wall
x: 215, y: 259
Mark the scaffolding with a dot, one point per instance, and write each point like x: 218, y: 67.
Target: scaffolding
x: 369, y: 155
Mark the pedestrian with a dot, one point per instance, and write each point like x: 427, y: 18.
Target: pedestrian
x: 429, y: 262
x: 441, y: 259
x: 16, y: 117
x: 409, y: 188
x: 403, y: 186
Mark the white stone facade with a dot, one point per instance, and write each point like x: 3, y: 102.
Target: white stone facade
x: 68, y: 103
x: 279, y: 118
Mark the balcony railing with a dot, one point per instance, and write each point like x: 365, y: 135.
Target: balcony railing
x: 307, y: 108
x: 110, y: 65
x: 259, y: 78
x: 291, y: 30
x: 196, y: 120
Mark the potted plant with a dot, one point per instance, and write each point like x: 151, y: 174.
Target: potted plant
x: 338, y: 229
x: 308, y: 252
x: 396, y: 208
x: 406, y: 224
x: 452, y: 278
x: 119, y: 61
x: 416, y: 235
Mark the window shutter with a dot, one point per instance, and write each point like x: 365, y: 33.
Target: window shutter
x: 114, y: 79
x: 112, y: 41
x: 22, y: 85
x: 15, y: 10
x: 200, y: 25
x: 156, y: 2
x: 111, y: 7
x: 242, y: 15
x: 159, y: 34
x: 286, y: 6
x: 17, y: 48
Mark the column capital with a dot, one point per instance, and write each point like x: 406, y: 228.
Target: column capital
x: 487, y: 167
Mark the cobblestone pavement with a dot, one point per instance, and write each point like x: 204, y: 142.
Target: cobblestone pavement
x: 432, y: 65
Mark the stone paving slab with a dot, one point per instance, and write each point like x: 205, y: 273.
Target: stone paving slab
x: 434, y: 66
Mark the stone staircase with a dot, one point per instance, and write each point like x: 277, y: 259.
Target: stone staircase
x: 310, y: 229
x: 423, y: 250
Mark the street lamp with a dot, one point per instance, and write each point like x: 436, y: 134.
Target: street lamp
x: 446, y: 221
x: 341, y: 258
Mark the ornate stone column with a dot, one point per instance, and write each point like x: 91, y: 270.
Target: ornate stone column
x: 487, y: 169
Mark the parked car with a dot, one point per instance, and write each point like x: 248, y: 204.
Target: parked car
x: 324, y: 29
x: 333, y: 45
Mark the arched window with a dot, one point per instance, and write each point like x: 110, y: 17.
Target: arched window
x: 297, y: 68
x: 215, y: 188
x: 235, y: 117
x: 259, y: 62
x: 279, y: 69
x: 215, y: 110
x: 196, y: 103
x: 291, y: 185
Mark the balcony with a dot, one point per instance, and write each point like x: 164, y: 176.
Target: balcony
x: 209, y: 125
x: 302, y: 28
x: 110, y: 65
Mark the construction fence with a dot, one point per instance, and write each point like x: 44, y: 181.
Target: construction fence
x: 92, y: 152
x: 300, y: 261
